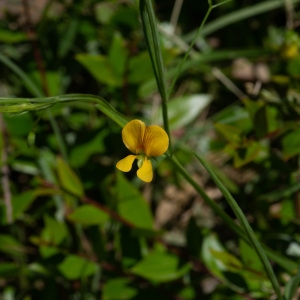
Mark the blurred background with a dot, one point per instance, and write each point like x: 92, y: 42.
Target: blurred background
x: 72, y: 226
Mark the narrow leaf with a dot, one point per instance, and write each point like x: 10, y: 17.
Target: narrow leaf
x: 247, y: 228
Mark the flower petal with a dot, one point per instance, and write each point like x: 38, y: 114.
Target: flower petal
x: 132, y: 135
x: 125, y: 164
x: 145, y: 172
x: 156, y: 141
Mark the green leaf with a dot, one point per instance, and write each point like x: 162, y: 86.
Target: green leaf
x: 250, y: 257
x: 117, y: 55
x: 130, y: 244
x: 292, y: 286
x: 19, y: 125
x: 293, y: 67
x: 140, y: 69
x: 54, y: 81
x: 53, y: 234
x: 247, y: 153
x: 210, y: 244
x: 67, y: 37
x: 11, y: 37
x: 21, y: 202
x: 131, y: 204
x: 68, y: 179
x: 160, y: 267
x: 291, y: 144
x: 235, y: 116
x: 104, y: 11
x: 75, y: 267
x: 231, y: 133
x: 100, y: 67
x: 246, y: 227
x: 252, y: 107
x: 118, y: 288
x: 230, y: 262
x: 284, y: 192
x: 193, y: 237
x: 229, y: 268
x: 88, y: 215
x: 184, y: 110
x: 9, y: 245
x: 9, y: 270
x: 81, y: 153
x: 265, y: 121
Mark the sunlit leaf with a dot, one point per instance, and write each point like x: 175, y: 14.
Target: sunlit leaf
x: 131, y: 204
x: 184, y: 110
x: 11, y: 37
x: 76, y: 267
x: 160, y: 267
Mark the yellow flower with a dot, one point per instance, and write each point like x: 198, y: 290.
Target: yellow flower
x: 145, y: 142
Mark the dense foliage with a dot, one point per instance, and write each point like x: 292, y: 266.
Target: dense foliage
x: 222, y: 79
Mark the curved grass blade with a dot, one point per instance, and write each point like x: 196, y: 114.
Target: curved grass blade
x: 246, y: 226
x: 154, y: 49
x: 20, y: 105
x: 239, y: 15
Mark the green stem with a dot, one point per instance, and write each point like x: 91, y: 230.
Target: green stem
x: 17, y: 105
x: 61, y: 144
x: 214, y: 206
x: 178, y: 71
x: 247, y: 228
x: 154, y: 48
x: 26, y: 80
x: 239, y: 15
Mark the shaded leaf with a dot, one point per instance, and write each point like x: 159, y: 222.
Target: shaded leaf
x: 68, y: 179
x: 53, y: 234
x: 9, y: 245
x: 230, y: 133
x: 8, y: 269
x: 118, y: 288
x: 291, y: 144
x: 292, y: 286
x: 88, y: 215
x: 81, y: 153
x: 117, y: 55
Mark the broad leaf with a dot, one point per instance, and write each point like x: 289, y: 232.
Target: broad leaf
x: 118, y: 288
x: 88, y: 215
x: 68, y: 179
x: 76, y: 267
x: 131, y: 204
x: 160, y: 267
x: 184, y: 110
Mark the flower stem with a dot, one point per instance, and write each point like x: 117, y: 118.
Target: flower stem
x: 154, y: 49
